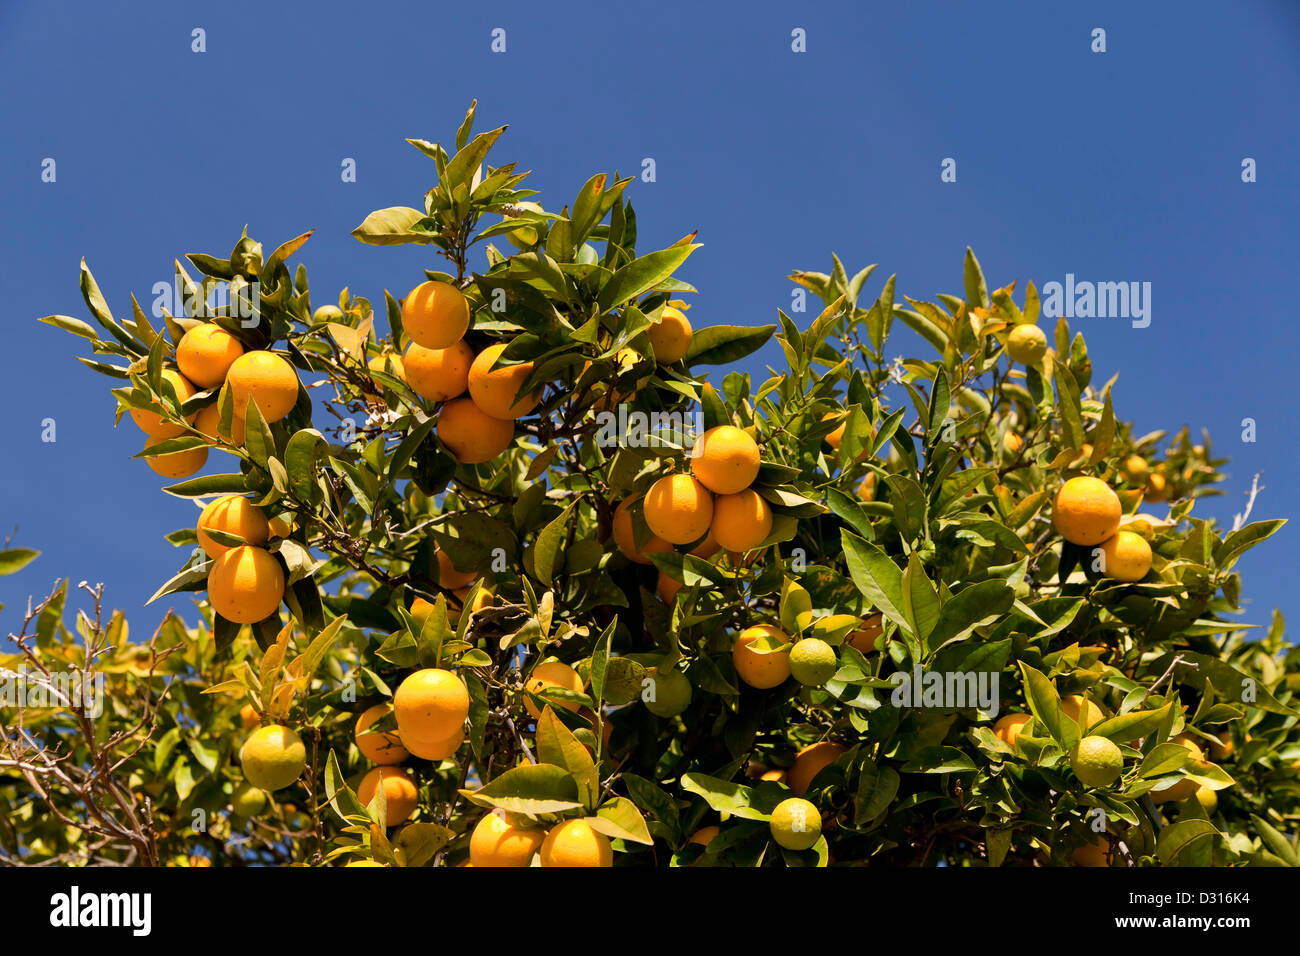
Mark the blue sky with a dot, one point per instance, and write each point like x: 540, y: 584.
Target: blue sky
x: 1119, y: 166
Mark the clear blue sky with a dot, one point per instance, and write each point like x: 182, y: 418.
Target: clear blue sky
x: 1115, y: 166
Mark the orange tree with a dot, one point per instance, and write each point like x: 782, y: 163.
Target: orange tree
x: 532, y: 577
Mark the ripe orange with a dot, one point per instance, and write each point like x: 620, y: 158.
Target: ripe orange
x: 1092, y: 854
x: 809, y: 762
x: 245, y: 585
x: 431, y: 706
x: 208, y: 423
x: 380, y: 748
x: 400, y: 795
x: 741, y: 521
x: 725, y: 459
x: 497, y: 842
x: 575, y: 843
x: 704, y: 835
x: 248, y: 718
x: 552, y: 674
x: 494, y: 389
x: 266, y: 379
x: 1128, y: 556
x: 1086, y: 511
x: 233, y: 514
x: 1184, y: 788
x: 1082, y: 711
x: 678, y: 509
x: 471, y: 434
x: 625, y: 536
x: 761, y: 670
x: 867, y: 487
x: 864, y: 638
x: 449, y: 576
x: 434, y: 749
x: 151, y: 423
x: 670, y: 337
x: 1008, y: 727
x: 438, y: 374
x: 667, y: 588
x: 435, y: 314
x: 205, y: 354
x: 177, y: 464
x: 707, y: 547
x: 1157, y: 488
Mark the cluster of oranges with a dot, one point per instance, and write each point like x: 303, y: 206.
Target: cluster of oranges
x: 712, y: 508
x: 246, y: 582
x: 1087, y: 512
x: 208, y: 357
x: 479, y: 398
x: 430, y: 707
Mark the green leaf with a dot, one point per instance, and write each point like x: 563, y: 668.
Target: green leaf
x: 13, y: 560
x: 1175, y: 839
x: 420, y: 842
x: 1276, y: 841
x: 208, y: 485
x: 876, y: 576
x: 1226, y: 554
x: 1136, y: 723
x: 877, y: 787
x: 556, y: 744
x: 531, y: 789
x: 972, y: 607
x: 391, y: 226
x: 723, y: 796
x: 1046, y: 706
x: 69, y: 324
x: 724, y: 344
x: 977, y: 291
x: 641, y: 275
x: 939, y: 760
x: 546, y: 553
x: 619, y: 819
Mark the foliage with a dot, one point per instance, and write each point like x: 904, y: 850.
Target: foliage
x: 934, y: 512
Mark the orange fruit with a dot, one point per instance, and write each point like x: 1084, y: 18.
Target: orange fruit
x: 867, y: 487
x: 151, y: 423
x: 1027, y: 344
x: 761, y: 670
x: 449, y: 576
x: 704, y: 835
x: 552, y: 674
x: 725, y: 459
x: 864, y: 638
x: 266, y: 379
x: 670, y: 337
x: 248, y: 718
x: 741, y: 521
x: 497, y: 842
x: 495, y: 389
x: 471, y: 434
x: 575, y: 843
x: 625, y: 536
x: 1086, y: 511
x: 434, y: 749
x: 1008, y: 727
x: 233, y: 514
x: 667, y: 588
x: 380, y: 748
x: 1157, y: 488
x: 1184, y: 788
x: 272, y: 757
x: 435, y: 314
x: 1092, y: 854
x: 438, y: 374
x: 245, y: 585
x: 205, y: 354
x: 400, y: 794
x: 177, y: 464
x: 1128, y: 556
x: 809, y: 762
x: 678, y: 509
x: 431, y: 706
x: 1081, y: 710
